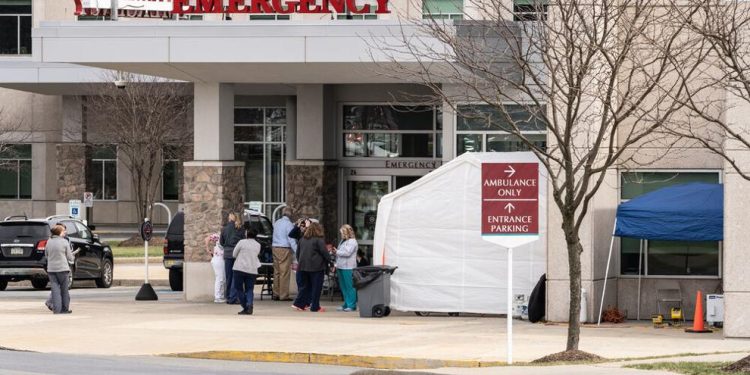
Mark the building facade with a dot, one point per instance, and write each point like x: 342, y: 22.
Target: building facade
x: 296, y: 109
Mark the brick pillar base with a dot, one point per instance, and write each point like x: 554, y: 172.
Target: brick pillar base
x: 71, y: 171
x: 70, y: 163
x: 311, y: 190
x: 212, y: 189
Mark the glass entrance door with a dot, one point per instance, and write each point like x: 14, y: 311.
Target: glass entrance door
x: 363, y: 195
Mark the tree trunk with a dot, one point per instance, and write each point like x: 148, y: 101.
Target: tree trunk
x: 574, y: 272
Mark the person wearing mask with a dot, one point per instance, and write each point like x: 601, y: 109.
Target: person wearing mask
x: 217, y: 262
x: 346, y: 261
x: 245, y: 270
x: 313, y: 262
x: 59, y: 258
x: 284, y: 248
x: 230, y: 236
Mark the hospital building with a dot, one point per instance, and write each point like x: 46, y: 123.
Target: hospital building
x: 294, y: 109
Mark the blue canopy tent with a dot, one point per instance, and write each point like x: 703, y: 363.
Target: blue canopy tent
x: 689, y: 212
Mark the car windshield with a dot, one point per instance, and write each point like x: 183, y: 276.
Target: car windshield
x: 11, y: 231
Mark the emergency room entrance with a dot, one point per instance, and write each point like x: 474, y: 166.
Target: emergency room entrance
x: 361, y: 191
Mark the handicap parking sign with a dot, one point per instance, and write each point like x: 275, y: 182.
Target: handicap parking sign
x: 74, y: 208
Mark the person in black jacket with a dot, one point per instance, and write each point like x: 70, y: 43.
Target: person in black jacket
x: 314, y: 259
x: 230, y: 235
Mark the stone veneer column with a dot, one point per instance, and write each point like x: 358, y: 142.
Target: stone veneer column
x: 212, y: 189
x: 311, y: 190
x: 71, y: 174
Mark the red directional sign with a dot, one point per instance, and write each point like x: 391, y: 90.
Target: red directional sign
x: 510, y: 199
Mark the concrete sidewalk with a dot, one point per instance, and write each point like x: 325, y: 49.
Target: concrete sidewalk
x: 110, y: 322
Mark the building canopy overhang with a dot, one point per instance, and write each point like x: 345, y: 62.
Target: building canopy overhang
x: 239, y: 52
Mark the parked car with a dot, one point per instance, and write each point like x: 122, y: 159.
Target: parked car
x: 174, y: 245
x: 22, y: 246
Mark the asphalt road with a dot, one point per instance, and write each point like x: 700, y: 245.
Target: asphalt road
x: 27, y: 363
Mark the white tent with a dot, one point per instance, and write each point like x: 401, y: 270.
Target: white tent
x: 431, y: 230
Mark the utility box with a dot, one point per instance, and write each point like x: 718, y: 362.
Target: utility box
x: 715, y: 309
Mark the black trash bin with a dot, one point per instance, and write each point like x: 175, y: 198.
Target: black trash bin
x: 373, y: 284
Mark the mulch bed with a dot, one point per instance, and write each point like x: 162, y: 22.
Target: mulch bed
x: 136, y: 240
x: 741, y: 365
x: 569, y: 356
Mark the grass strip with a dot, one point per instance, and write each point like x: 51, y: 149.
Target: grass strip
x: 688, y: 368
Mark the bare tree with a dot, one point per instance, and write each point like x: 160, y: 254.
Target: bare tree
x: 148, y: 121
x: 599, y: 79
x: 725, y: 28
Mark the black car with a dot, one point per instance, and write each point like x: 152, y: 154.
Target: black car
x: 174, y: 244
x: 22, y: 246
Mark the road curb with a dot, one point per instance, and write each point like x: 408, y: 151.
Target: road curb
x: 375, y: 362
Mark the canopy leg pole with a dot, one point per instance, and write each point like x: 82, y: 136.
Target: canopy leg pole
x: 640, y: 258
x: 606, y: 272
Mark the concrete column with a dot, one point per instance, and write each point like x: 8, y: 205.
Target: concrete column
x: 213, y: 183
x: 736, y: 221
x: 312, y: 179
x: 70, y: 160
x: 291, y: 128
x: 213, y: 121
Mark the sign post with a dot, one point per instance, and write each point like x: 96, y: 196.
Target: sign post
x: 88, y: 203
x: 510, y: 216
x: 146, y: 293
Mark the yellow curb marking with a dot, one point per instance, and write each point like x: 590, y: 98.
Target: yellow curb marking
x: 376, y: 362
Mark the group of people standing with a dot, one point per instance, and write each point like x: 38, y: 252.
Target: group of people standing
x: 297, y: 246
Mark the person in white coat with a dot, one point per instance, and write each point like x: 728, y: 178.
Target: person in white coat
x: 217, y: 262
x: 346, y: 261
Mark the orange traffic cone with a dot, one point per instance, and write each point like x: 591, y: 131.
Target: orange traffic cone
x: 698, y: 326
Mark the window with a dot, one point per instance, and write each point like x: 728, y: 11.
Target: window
x: 83, y: 232
x: 15, y: 27
x: 348, y: 15
x: 529, y: 10
x: 484, y: 128
x: 15, y: 172
x: 259, y: 136
x: 443, y: 9
x: 666, y: 258
x: 385, y: 131
x: 101, y: 176
x: 170, y: 176
x: 269, y: 17
x: 71, y: 228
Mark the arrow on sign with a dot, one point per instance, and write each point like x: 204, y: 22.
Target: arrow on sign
x: 510, y: 171
x: 510, y: 207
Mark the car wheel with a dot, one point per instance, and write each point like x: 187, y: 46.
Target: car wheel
x: 105, y: 281
x: 453, y: 314
x: 39, y: 283
x: 175, y: 279
x: 3, y: 284
x: 387, y: 311
x: 422, y: 313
